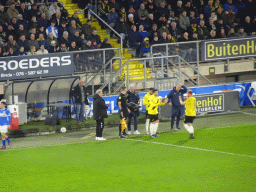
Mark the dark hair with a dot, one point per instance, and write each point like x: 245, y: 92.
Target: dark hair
x: 154, y: 90
x: 151, y: 88
x: 123, y: 88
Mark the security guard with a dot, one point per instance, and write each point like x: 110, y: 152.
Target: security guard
x: 123, y: 109
x: 133, y: 97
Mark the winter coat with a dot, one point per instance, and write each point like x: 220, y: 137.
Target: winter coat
x: 99, y: 108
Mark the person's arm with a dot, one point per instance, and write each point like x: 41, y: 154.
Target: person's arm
x: 8, y: 118
x: 181, y: 102
x: 169, y: 96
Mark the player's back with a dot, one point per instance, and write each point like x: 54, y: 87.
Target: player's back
x: 191, y: 106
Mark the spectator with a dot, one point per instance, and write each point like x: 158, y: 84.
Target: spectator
x: 131, y: 20
x: 211, y: 25
x: 212, y: 35
x: 241, y: 33
x: 10, y: 2
x: 203, y: 32
x: 123, y: 14
x: 162, y: 21
x: 3, y: 16
x: 76, y: 19
x: 228, y: 5
x: 155, y: 41
x: 122, y: 28
x: 32, y: 51
x: 103, y: 8
x: 65, y: 39
x: 13, y: 22
x: 83, y: 39
x: 164, y: 39
x: 10, y: 52
x: 134, y: 39
x: 42, y: 21
x: 12, y: 12
x: 222, y: 33
x: 208, y: 9
x: 76, y: 37
x: 175, y: 31
x: 21, y: 52
x: 42, y: 50
x: 220, y: 14
x: 23, y: 22
x: 249, y: 26
x: 53, y: 29
x: 192, y: 17
x: 64, y: 13
x: 87, y: 28
x: 250, y: 8
x: 163, y: 29
x: 112, y: 18
x: 151, y: 8
x: 133, y: 12
x: 192, y: 28
x: 34, y: 11
x: 232, y: 33
x: 151, y: 20
x: 22, y: 42
x: 184, y: 21
x: 53, y: 9
x: 41, y: 41
x: 33, y: 42
x: 88, y: 56
x: 200, y: 18
x: 41, y: 31
x: 73, y: 28
x: 162, y: 10
x: 109, y: 53
x: 43, y: 9
x: 33, y: 31
x: 153, y: 32
x: 57, y: 18
x: 53, y: 47
x: 51, y: 38
x: 230, y: 18
x: 62, y: 28
x: 73, y: 46
x: 1, y: 51
x: 145, y: 48
x: 143, y: 21
x: 188, y: 7
x: 179, y: 9
x: 63, y: 47
x: 21, y: 31
x: 33, y: 22
x: 24, y: 11
x: 142, y: 11
x: 135, y: 4
x: 194, y: 37
x: 95, y: 37
x: 11, y: 31
x: 114, y: 4
x: 142, y: 33
x: 213, y: 17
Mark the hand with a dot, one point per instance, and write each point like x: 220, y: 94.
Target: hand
x: 170, y: 103
x: 180, y: 98
x: 108, y: 105
x: 166, y: 100
x: 129, y: 111
x: 122, y: 114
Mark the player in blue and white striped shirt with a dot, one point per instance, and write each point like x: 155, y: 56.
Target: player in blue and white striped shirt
x: 5, y: 120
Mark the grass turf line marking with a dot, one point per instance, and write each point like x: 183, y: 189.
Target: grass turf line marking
x: 195, y: 148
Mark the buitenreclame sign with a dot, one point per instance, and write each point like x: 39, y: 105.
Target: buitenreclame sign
x: 35, y: 66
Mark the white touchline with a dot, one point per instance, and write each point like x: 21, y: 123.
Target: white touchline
x: 200, y: 149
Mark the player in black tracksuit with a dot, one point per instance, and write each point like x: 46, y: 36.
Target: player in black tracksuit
x: 123, y: 109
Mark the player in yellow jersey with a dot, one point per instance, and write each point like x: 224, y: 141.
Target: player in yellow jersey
x: 153, y: 112
x: 146, y: 100
x: 190, y: 104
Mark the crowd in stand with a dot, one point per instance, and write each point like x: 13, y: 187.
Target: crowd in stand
x: 27, y: 28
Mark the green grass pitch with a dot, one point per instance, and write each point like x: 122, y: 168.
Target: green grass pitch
x: 219, y: 159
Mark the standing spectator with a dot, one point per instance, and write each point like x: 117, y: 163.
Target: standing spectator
x: 42, y: 21
x: 99, y: 113
x: 184, y: 21
x: 80, y: 95
x: 3, y: 16
x: 228, y: 5
x: 123, y: 110
x: 87, y: 28
x: 53, y: 9
x: 133, y: 97
x: 52, y: 29
x: 33, y: 42
x: 142, y: 11
x: 208, y: 9
x: 134, y: 39
x: 177, y: 109
x: 76, y: 19
x: 5, y: 121
x: 32, y: 51
x: 88, y: 56
x: 112, y: 18
x: 24, y: 11
x: 109, y: 53
x: 42, y: 50
x: 12, y: 12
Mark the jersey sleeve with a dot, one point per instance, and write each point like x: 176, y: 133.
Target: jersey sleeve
x: 145, y: 99
x: 8, y: 117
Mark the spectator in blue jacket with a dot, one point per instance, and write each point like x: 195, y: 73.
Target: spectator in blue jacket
x: 208, y: 10
x: 162, y: 10
x: 112, y: 17
x: 142, y: 33
x: 95, y: 37
x: 228, y: 5
x: 134, y: 39
x: 21, y: 52
x: 145, y: 48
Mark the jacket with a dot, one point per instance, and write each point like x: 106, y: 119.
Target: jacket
x: 99, y: 108
x: 78, y: 96
x: 5, y: 117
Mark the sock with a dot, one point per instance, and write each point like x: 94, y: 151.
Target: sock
x: 147, y: 124
x: 192, y: 129
x: 188, y: 128
x: 3, y: 141
x: 156, y: 127
x: 8, y: 140
x: 120, y: 129
x: 151, y: 127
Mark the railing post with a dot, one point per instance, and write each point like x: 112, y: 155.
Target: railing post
x: 197, y: 61
x: 145, y: 73
x: 127, y: 82
x: 179, y: 69
x: 104, y: 65
x: 162, y: 67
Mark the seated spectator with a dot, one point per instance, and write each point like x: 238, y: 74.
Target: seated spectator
x: 43, y: 21
x: 2, y: 43
x: 11, y: 31
x: 200, y: 18
x: 73, y: 46
x: 164, y: 39
x: 22, y: 21
x: 212, y: 35
x: 195, y: 37
x: 230, y: 18
x: 192, y: 17
x: 143, y: 21
x: 249, y: 26
x: 76, y: 38
x: 10, y: 52
x: 53, y: 9
x: 41, y: 41
x: 83, y: 39
x: 208, y: 9
x: 114, y: 4
x: 122, y: 28
x: 22, y: 31
x: 53, y: 47
x: 52, y: 29
x: 22, y: 42
x: 211, y: 25
x: 42, y: 50
x: 109, y: 53
x: 76, y: 19
x: 131, y: 20
x: 151, y: 8
x: 123, y: 14
x: 21, y: 52
x: 33, y: 22
x: 32, y: 51
x: 184, y: 21
x: 231, y: 33
x: 13, y: 22
x: 188, y: 7
x: 3, y: 15
x: 97, y: 62
x: 203, y: 32
x: 221, y: 24
x: 163, y: 29
x: 41, y: 31
x: 112, y: 17
x: 162, y: 10
x: 220, y: 14
x: 134, y: 39
x: 153, y: 32
x: 33, y: 42
x: 51, y: 38
x: 57, y: 18
x: 222, y: 33
x: 43, y: 9
x: 135, y: 4
x: 229, y: 5
x: 95, y: 37
x: 171, y: 19
x: 62, y: 28
x: 64, y: 13
x: 24, y: 11
x: 145, y: 50
x: 155, y: 41
x: 162, y: 21
x: 192, y: 28
x: 73, y: 28
x: 241, y: 33
x: 175, y: 31
x: 87, y: 28
x: 65, y: 39
x: 33, y: 31
x: 213, y: 17
x: 151, y: 20
x: 103, y: 9
x: 34, y: 11
x: 133, y: 12
x: 143, y: 33
x: 142, y: 11
x: 63, y: 47
x: 12, y: 12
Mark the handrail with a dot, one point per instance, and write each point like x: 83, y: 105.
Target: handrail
x: 90, y: 11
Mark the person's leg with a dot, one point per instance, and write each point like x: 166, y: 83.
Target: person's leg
x: 192, y: 131
x: 97, y: 129
x: 101, y: 127
x: 156, y: 127
x: 3, y: 141
x: 82, y: 112
x: 78, y: 107
x: 178, y: 120
x: 135, y: 123
x: 129, y: 123
x: 172, y: 121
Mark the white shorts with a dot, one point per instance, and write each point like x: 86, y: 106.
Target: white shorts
x: 4, y: 129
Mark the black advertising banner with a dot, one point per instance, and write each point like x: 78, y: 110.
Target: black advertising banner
x: 34, y: 66
x: 228, y: 49
x: 209, y: 103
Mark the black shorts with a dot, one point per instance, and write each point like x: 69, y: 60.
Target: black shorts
x: 147, y: 115
x: 189, y: 119
x: 153, y: 117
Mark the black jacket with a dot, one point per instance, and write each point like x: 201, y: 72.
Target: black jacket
x: 99, y: 108
x: 78, y: 96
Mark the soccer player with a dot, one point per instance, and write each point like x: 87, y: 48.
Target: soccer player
x: 153, y: 112
x: 5, y: 120
x: 123, y: 110
x: 190, y: 104
x: 146, y: 100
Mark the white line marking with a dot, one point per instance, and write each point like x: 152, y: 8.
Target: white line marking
x: 200, y: 149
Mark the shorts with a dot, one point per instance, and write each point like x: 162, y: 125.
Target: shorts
x: 153, y: 117
x: 147, y: 116
x: 4, y: 129
x: 189, y: 119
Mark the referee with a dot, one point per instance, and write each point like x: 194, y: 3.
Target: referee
x: 123, y: 110
x: 190, y: 112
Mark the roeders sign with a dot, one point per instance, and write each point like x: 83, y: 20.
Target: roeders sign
x: 35, y: 66
x: 229, y: 48
x: 209, y: 103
